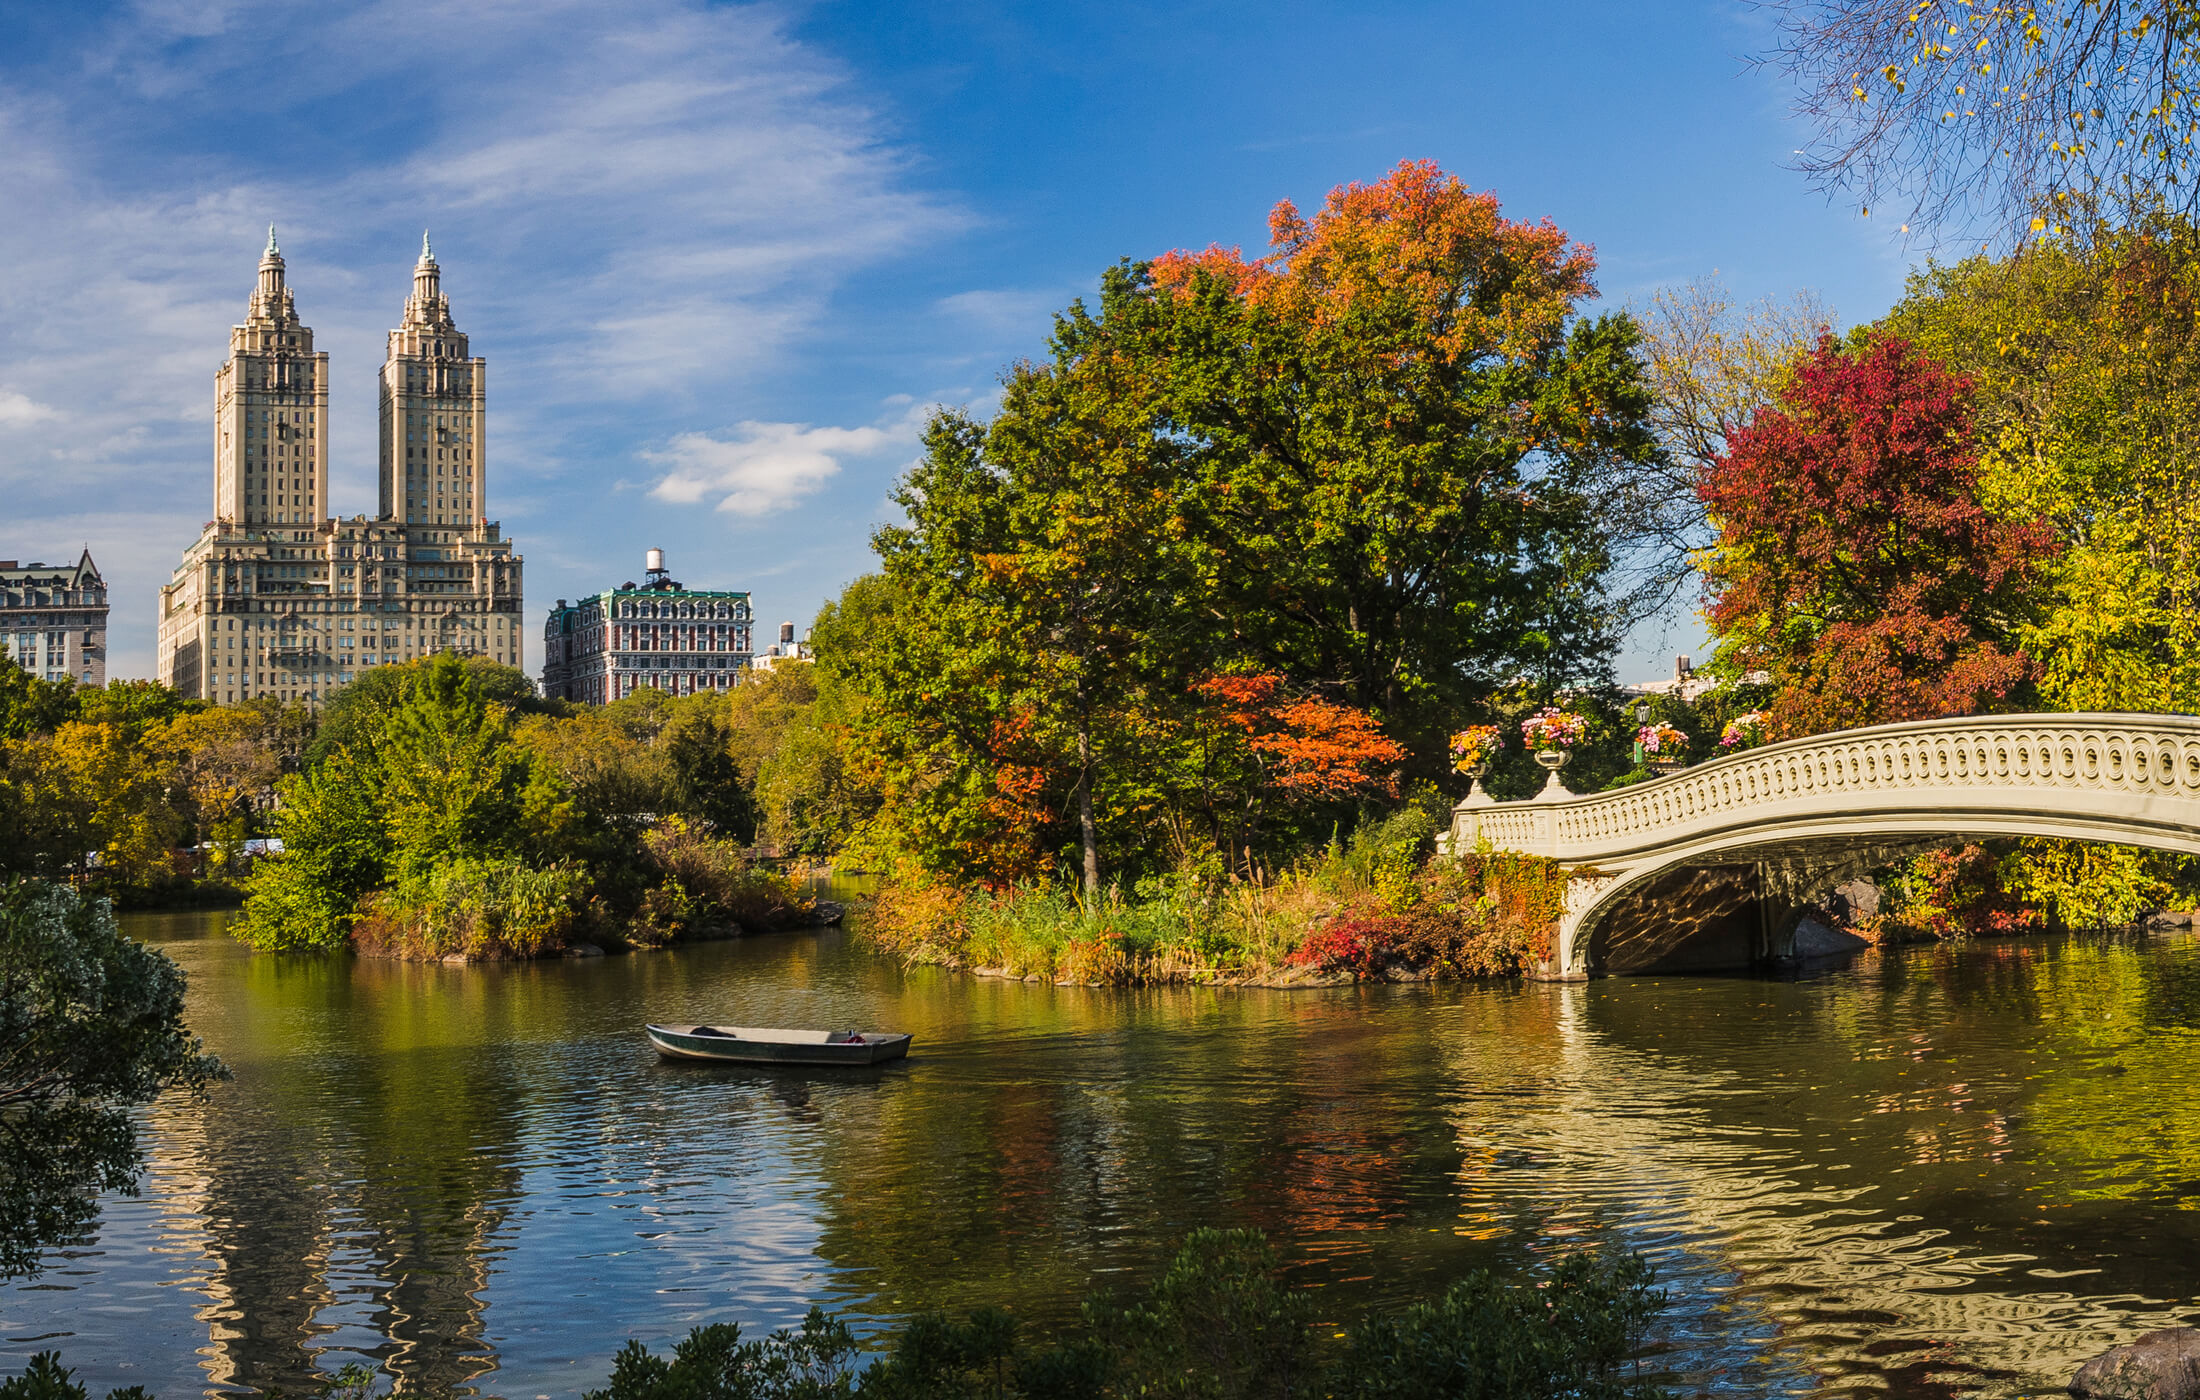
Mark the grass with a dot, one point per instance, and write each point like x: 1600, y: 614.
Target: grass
x: 1374, y: 907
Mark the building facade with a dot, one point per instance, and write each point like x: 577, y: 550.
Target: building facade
x: 277, y: 597
x: 659, y: 634
x: 53, y: 619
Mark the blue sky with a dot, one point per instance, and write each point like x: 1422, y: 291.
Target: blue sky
x: 722, y: 258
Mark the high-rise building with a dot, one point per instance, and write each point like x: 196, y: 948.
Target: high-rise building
x: 53, y: 619
x: 659, y: 635
x: 278, y: 598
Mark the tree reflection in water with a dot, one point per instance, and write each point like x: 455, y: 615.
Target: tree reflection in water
x: 1939, y: 1170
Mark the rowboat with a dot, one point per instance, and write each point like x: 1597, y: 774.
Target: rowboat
x: 757, y: 1046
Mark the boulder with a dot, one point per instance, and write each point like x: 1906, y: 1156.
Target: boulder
x: 2168, y: 919
x: 827, y: 911
x: 2162, y: 1365
x: 583, y: 950
x: 1817, y: 939
x: 1854, y: 899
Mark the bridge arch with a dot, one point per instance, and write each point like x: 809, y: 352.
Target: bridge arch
x: 1809, y: 809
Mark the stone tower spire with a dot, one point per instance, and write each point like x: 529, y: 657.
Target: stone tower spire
x: 271, y: 412
x: 271, y: 299
x: 434, y: 414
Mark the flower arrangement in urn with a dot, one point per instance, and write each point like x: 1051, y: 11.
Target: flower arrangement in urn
x: 1661, y: 742
x: 1472, y: 749
x: 1551, y: 728
x: 1744, y: 731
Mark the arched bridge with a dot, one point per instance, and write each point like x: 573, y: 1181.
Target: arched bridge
x: 1719, y: 855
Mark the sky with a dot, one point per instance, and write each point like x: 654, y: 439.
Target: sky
x: 723, y: 259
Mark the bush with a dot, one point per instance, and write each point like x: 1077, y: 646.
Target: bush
x: 1361, y: 944
x: 474, y: 908
x: 1957, y: 892
x: 1490, y: 1340
x: 1219, y: 1323
x: 47, y: 1379
x: 710, y: 884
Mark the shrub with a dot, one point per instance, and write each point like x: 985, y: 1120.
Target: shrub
x: 1359, y: 944
x: 1957, y: 892
x: 713, y: 1363
x: 47, y: 1379
x: 1490, y: 1340
x: 713, y: 884
x: 474, y: 908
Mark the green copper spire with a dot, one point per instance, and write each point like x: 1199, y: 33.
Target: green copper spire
x: 427, y: 254
x: 272, y: 250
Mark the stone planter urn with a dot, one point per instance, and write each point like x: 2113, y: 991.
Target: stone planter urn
x: 1554, y: 759
x: 1476, y: 774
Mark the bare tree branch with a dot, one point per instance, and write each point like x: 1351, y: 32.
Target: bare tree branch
x: 1997, y: 117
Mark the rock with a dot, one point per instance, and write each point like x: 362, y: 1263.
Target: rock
x: 455, y: 960
x: 1815, y: 939
x: 2168, y: 919
x: 2162, y: 1365
x: 583, y: 950
x: 827, y: 912
x: 1854, y: 899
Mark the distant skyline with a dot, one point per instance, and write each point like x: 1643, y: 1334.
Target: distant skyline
x: 723, y: 259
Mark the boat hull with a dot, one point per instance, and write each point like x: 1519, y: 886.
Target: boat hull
x: 677, y: 1044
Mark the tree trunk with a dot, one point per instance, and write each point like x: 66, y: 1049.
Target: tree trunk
x: 1085, y: 825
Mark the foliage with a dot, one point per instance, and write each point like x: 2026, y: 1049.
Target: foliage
x: 1709, y: 366
x: 1958, y: 892
x: 1855, y: 562
x: 713, y: 1363
x: 1360, y: 944
x: 29, y: 705
x: 336, y: 848
x: 1220, y: 1323
x: 1371, y: 905
x: 1489, y: 1340
x: 47, y: 1379
x: 718, y: 886
x: 2019, y: 115
x: 2093, y: 886
x: 473, y: 907
x: 91, y: 1027
x: 1355, y: 471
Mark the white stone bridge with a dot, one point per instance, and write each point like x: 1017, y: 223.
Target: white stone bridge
x: 1707, y: 868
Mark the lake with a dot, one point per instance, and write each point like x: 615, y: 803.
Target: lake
x: 1938, y: 1171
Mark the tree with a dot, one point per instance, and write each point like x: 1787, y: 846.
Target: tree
x: 91, y: 1027
x: 1855, y: 563
x: 1709, y: 366
x: 29, y: 705
x: 2085, y: 361
x: 451, y: 779
x: 1395, y: 420
x: 2013, y: 115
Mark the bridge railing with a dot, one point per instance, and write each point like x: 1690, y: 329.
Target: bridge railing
x: 1888, y: 767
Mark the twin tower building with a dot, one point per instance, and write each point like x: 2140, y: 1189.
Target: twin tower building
x: 279, y: 598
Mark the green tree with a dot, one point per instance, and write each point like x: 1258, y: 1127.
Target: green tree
x: 452, y: 782
x: 91, y: 1027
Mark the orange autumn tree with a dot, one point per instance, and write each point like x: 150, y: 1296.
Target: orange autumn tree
x: 1256, y: 741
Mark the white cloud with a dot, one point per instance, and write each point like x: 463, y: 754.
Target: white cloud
x: 761, y: 468
x: 20, y: 411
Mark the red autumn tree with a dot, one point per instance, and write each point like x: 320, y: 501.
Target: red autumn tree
x: 1855, y: 563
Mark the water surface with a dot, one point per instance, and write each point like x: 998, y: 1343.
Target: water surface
x: 1937, y: 1172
